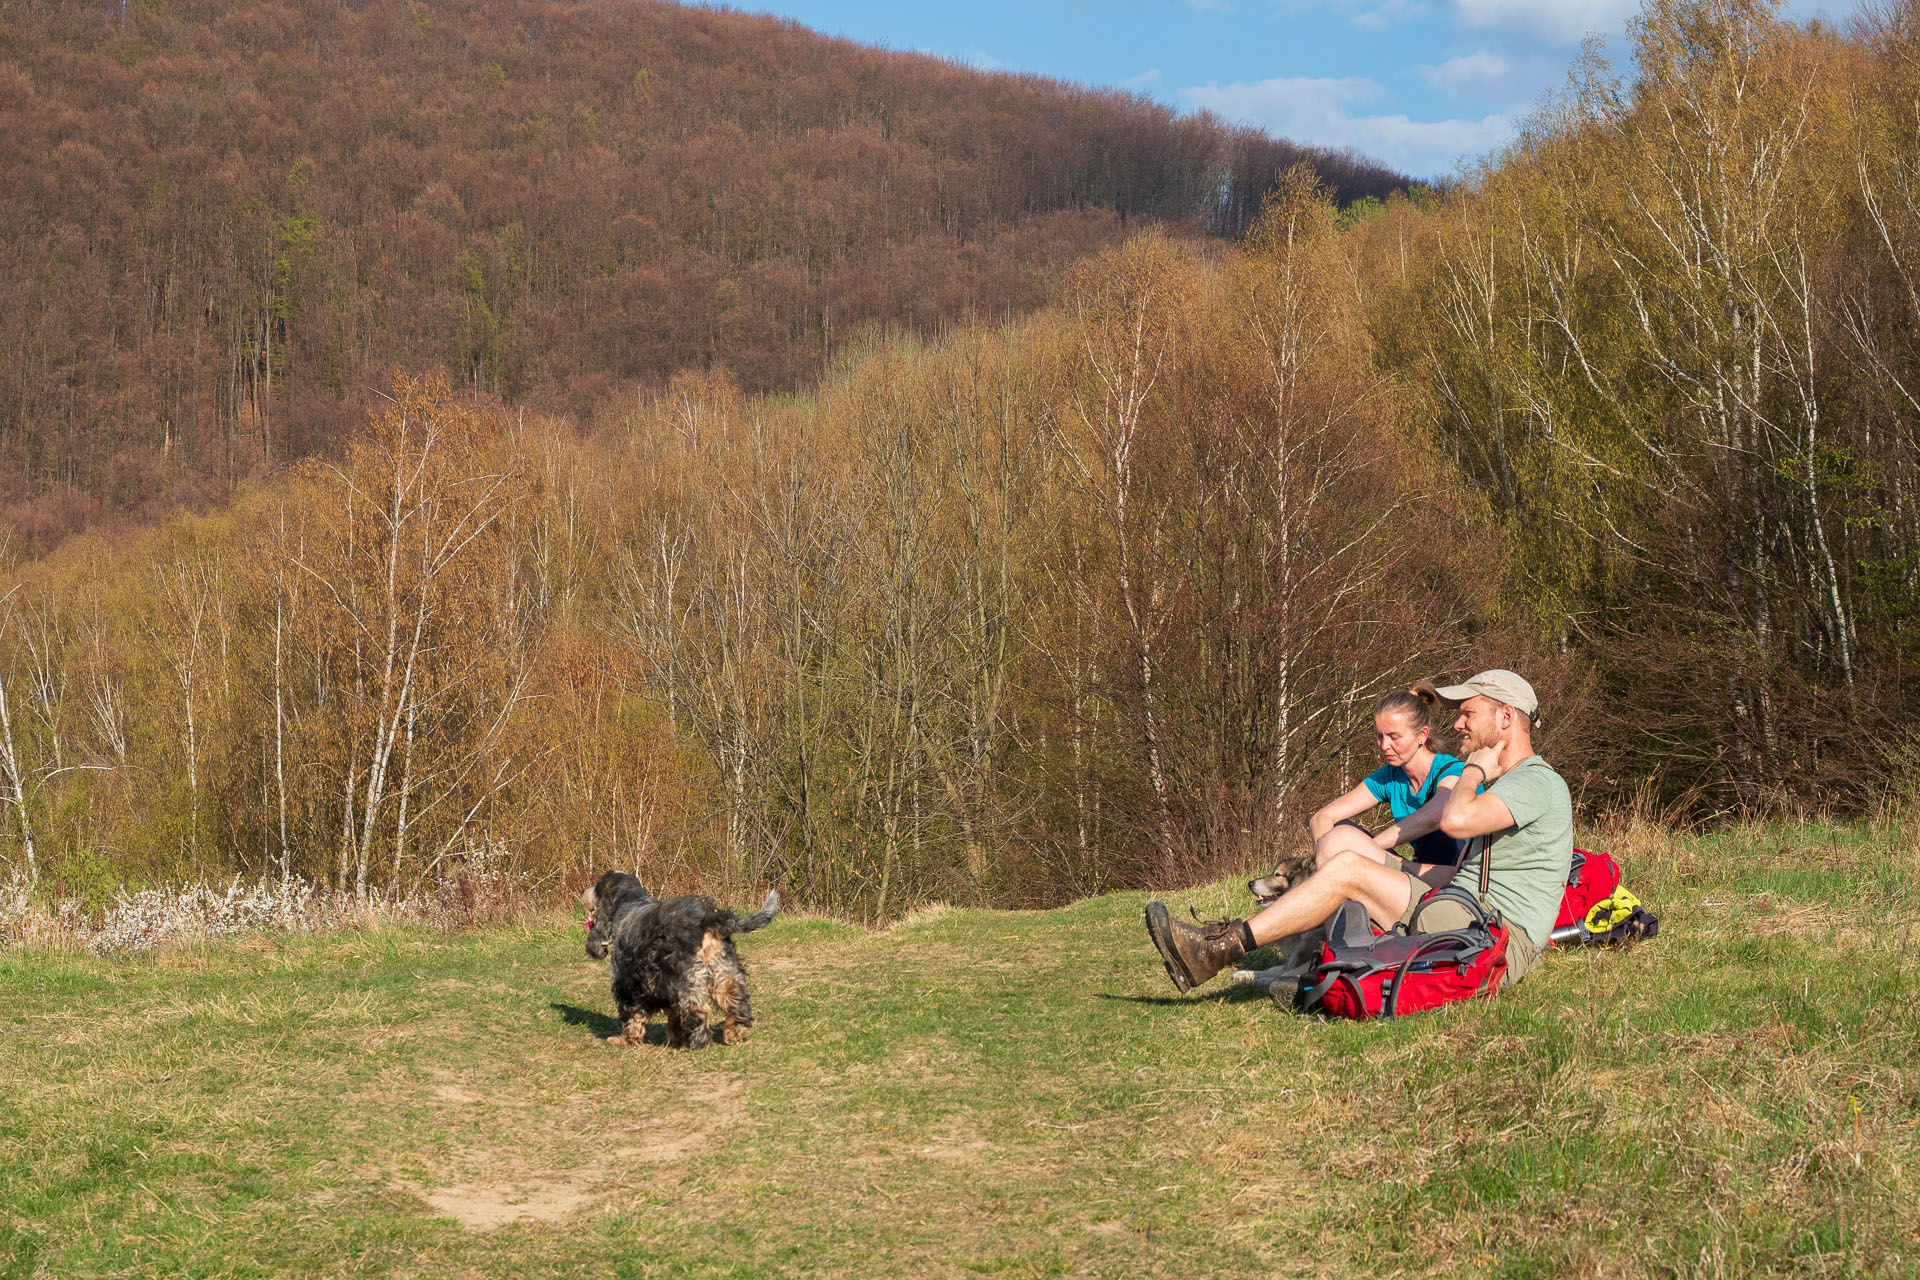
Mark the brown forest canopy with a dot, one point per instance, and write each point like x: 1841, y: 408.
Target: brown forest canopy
x: 221, y: 224
x: 982, y: 620
x: 1101, y: 597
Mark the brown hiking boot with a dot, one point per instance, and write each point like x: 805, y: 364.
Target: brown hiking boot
x: 1193, y: 955
x: 1214, y: 929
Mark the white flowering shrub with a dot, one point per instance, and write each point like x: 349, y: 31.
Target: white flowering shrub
x: 480, y: 884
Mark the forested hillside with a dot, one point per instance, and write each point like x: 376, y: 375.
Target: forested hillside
x: 222, y: 225
x: 1094, y: 599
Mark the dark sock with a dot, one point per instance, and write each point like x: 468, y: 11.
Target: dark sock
x: 1246, y: 936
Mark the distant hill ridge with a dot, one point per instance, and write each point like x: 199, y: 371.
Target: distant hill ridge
x: 223, y: 223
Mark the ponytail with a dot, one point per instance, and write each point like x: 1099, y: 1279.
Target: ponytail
x: 1415, y: 704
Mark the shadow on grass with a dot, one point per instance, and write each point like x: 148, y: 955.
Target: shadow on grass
x: 598, y: 1023
x: 1239, y: 993
x: 601, y: 1025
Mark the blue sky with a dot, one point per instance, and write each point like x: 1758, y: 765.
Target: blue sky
x: 1418, y: 84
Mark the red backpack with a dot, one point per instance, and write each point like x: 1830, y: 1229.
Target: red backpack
x: 1594, y: 881
x: 1364, y: 973
x: 1593, y: 878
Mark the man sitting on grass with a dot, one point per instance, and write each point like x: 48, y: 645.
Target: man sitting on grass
x: 1522, y: 810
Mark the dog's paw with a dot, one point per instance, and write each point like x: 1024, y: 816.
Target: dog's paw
x: 1259, y: 977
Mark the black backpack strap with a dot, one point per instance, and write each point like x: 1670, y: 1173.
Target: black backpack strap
x: 1311, y: 1001
x: 1475, y: 908
x: 1434, y: 943
x: 1454, y: 893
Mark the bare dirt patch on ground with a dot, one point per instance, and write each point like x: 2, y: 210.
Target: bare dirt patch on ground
x: 484, y: 1206
x: 691, y: 1128
x: 492, y: 1152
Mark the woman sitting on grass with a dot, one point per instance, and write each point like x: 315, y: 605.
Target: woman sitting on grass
x: 1414, y: 782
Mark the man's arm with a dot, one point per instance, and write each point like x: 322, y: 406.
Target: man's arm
x: 1421, y: 821
x: 1467, y: 815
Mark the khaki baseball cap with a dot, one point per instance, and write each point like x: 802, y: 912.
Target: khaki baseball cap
x: 1499, y: 684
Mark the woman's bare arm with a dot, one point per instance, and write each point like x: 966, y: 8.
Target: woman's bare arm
x: 1339, y: 809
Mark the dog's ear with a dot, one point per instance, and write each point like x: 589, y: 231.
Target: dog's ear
x: 609, y: 889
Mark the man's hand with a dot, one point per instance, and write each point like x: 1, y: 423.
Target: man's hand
x: 1487, y: 759
x: 1467, y: 814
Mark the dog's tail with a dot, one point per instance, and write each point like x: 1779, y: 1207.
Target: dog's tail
x: 758, y: 920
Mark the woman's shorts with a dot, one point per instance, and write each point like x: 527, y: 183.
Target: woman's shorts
x: 1438, y: 848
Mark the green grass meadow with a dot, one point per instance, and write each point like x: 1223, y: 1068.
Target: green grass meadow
x: 991, y: 1093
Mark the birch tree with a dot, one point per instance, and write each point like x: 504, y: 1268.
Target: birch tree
x: 416, y: 628
x: 1133, y: 311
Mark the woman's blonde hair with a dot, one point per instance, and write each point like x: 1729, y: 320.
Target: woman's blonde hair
x: 1415, y: 704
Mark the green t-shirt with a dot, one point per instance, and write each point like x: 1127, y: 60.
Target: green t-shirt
x: 1532, y: 857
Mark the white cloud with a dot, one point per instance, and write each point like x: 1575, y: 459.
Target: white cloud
x: 1379, y: 19
x: 1314, y: 110
x: 1142, y: 82
x: 1298, y: 106
x: 1428, y: 148
x: 1562, y: 21
x: 1469, y: 73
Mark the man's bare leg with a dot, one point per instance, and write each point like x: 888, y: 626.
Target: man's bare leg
x: 1193, y: 956
x: 1349, y: 838
x: 1384, y: 891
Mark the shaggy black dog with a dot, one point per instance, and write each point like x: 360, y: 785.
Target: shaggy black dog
x: 672, y: 956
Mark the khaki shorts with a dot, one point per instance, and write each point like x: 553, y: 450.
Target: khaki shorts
x: 1417, y: 889
x: 1522, y: 955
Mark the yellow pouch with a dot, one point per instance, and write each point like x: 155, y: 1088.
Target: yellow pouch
x: 1610, y: 911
